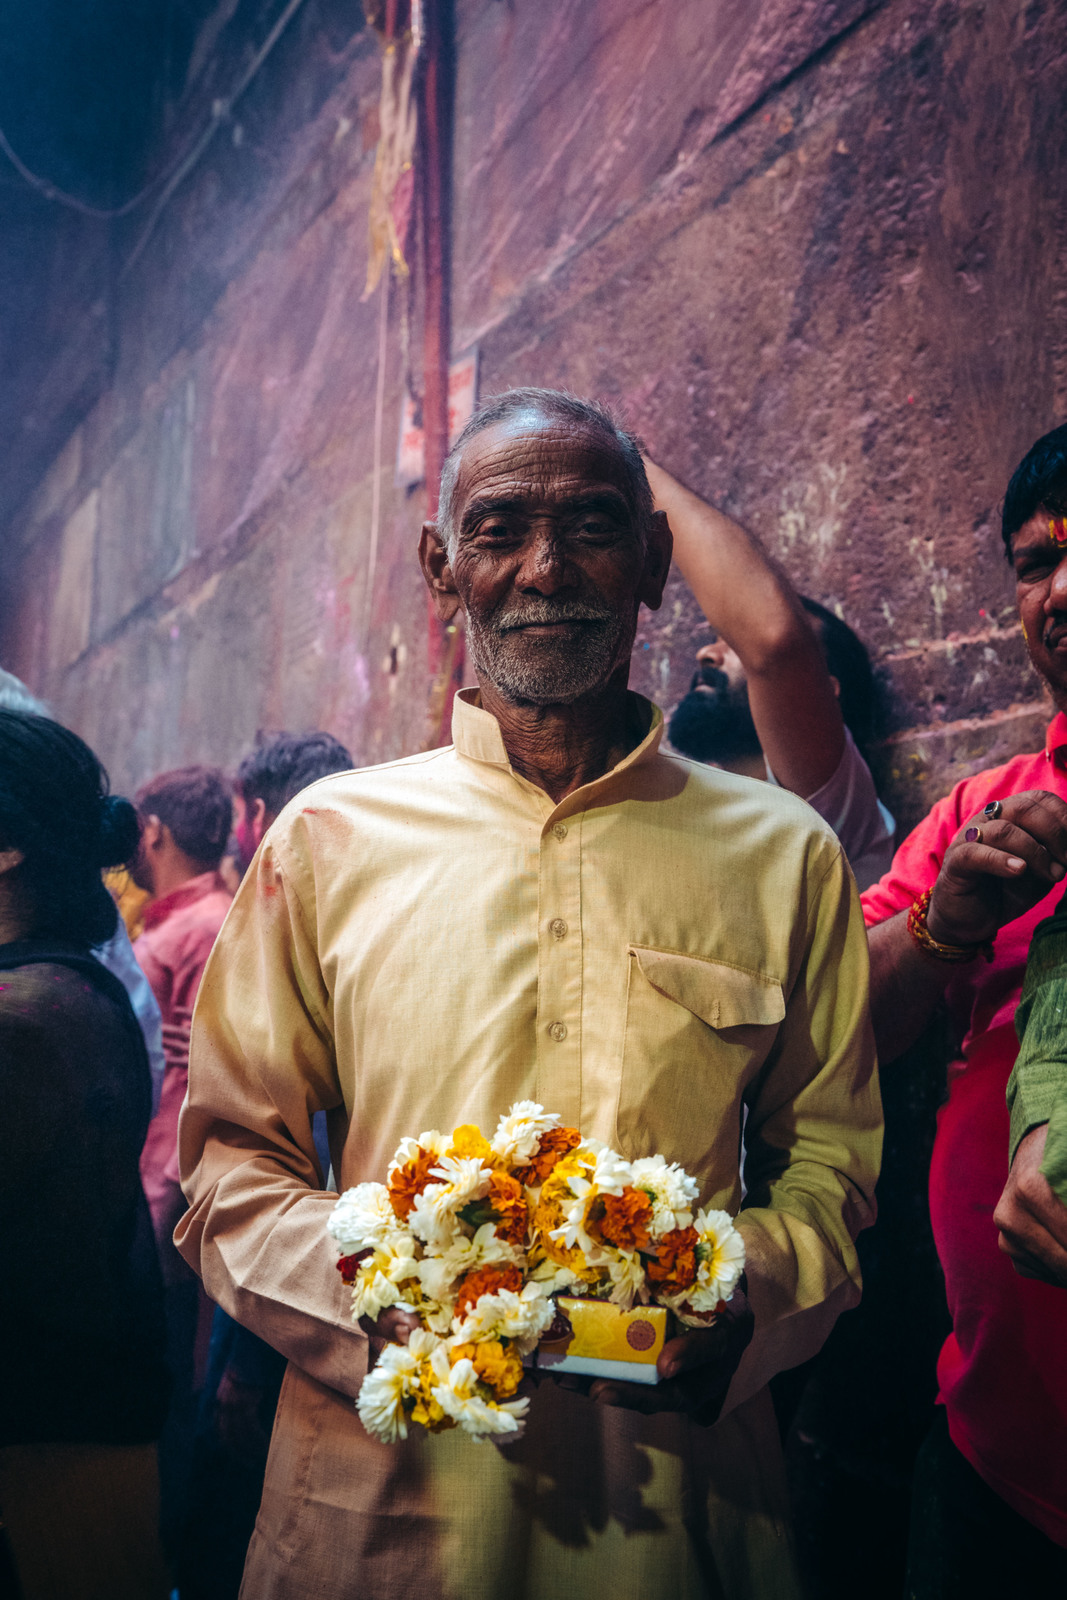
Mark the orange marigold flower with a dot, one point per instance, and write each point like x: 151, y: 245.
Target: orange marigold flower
x: 496, y: 1364
x: 624, y: 1219
x: 553, y: 1144
x: 406, y: 1182
x: 507, y: 1197
x: 675, y: 1268
x: 485, y: 1280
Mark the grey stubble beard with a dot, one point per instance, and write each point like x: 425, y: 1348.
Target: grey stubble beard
x: 557, y: 672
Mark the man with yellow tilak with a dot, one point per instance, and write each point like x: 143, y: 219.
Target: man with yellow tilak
x: 669, y: 956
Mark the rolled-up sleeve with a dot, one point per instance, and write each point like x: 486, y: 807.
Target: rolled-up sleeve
x: 261, y: 1064
x: 813, y: 1142
x: 1037, y: 1088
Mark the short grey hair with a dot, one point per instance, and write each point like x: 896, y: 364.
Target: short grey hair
x: 554, y: 405
x: 14, y: 696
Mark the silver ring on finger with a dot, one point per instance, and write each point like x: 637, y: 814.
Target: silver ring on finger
x: 973, y: 835
x: 991, y: 810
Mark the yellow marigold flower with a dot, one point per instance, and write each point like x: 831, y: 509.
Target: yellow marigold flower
x: 469, y: 1141
x: 496, y: 1364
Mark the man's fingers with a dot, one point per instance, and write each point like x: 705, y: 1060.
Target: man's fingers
x: 1050, y: 1265
x: 968, y: 861
x: 1043, y: 815
x: 697, y: 1348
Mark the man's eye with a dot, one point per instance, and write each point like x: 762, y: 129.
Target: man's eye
x: 1032, y: 571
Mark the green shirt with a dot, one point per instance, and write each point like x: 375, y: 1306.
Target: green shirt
x: 1037, y: 1088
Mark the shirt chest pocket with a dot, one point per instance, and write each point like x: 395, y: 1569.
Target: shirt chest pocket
x: 696, y: 1033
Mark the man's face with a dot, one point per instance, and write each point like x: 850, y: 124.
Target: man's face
x: 1041, y: 594
x: 548, y: 559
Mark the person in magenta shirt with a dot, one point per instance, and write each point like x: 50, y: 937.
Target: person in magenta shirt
x: 953, y: 919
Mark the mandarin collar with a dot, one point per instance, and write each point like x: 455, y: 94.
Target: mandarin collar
x: 476, y: 735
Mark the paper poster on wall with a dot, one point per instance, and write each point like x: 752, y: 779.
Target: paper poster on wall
x: 462, y: 398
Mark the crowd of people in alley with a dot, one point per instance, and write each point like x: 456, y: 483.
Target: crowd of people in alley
x: 223, y: 1001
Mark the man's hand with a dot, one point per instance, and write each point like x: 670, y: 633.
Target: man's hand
x: 1031, y: 1218
x: 392, y: 1327
x: 987, y: 881
x: 695, y: 1369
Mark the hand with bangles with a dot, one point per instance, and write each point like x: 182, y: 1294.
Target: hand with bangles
x: 999, y: 865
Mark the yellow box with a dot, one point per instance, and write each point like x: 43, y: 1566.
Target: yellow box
x: 602, y: 1341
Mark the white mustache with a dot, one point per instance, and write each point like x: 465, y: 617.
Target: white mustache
x: 541, y: 612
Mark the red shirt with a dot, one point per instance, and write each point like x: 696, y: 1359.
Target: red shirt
x: 179, y: 931
x: 1003, y: 1369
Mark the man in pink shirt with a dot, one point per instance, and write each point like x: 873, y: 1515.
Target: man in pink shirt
x: 953, y: 919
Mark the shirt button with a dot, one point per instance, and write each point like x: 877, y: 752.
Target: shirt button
x: 557, y: 1031
x: 559, y: 928
x: 560, y: 830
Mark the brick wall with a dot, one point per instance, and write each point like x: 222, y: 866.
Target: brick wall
x: 811, y: 251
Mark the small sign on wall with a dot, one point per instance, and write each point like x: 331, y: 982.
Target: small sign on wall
x: 462, y: 399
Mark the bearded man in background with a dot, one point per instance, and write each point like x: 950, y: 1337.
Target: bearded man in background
x: 669, y: 956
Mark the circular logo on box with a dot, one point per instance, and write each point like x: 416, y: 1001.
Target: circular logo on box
x: 640, y: 1335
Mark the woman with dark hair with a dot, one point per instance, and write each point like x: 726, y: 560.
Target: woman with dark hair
x: 83, y: 1385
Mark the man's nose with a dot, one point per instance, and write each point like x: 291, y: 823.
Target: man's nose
x: 1057, y: 589
x: 715, y: 652
x: 546, y: 567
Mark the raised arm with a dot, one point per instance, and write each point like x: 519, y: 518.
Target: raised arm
x: 751, y: 604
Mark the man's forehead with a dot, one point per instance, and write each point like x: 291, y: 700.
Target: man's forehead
x: 1037, y: 531
x: 540, y: 458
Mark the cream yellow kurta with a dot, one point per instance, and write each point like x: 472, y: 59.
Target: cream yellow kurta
x: 419, y: 944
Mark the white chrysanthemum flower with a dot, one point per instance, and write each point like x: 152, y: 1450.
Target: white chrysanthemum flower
x: 571, y: 1232
x: 554, y: 1279
x: 383, y: 1391
x: 422, y: 1344
x: 379, y: 1282
x: 408, y: 1149
x: 521, y: 1317
x: 458, y: 1398
x: 672, y: 1190
x: 627, y: 1276
x: 519, y: 1131
x: 603, y: 1172
x: 459, y: 1180
x: 362, y: 1218
x: 720, y: 1257
x: 440, y: 1272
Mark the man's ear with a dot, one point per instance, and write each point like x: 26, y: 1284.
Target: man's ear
x: 835, y: 684
x: 257, y: 818
x: 658, y: 549
x: 433, y: 559
x: 152, y: 833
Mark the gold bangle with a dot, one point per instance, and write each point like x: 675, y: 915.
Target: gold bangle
x: 958, y: 953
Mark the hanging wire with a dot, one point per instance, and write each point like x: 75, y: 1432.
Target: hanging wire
x: 172, y: 174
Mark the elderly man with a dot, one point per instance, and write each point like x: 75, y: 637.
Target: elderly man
x: 552, y: 907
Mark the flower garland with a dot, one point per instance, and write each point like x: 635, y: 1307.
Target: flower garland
x: 475, y: 1236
